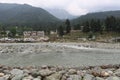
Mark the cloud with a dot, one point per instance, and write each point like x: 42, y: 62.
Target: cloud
x: 75, y: 7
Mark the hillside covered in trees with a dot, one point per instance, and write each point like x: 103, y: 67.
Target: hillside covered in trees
x: 26, y: 15
x: 96, y: 15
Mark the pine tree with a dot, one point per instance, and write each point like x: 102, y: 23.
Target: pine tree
x: 68, y: 27
x: 61, y: 31
x: 86, y: 27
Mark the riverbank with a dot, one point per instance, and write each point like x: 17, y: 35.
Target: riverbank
x: 103, y: 72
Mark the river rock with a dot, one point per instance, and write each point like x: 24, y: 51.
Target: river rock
x: 117, y: 73
x: 104, y: 74
x: 75, y: 77
x: 88, y: 77
x: 72, y: 71
x: 113, y: 78
x: 16, y: 72
x: 36, y: 79
x: 44, y: 67
x: 99, y: 78
x: 18, y: 77
x: 2, y: 78
x: 45, y: 72
x: 55, y: 76
x: 28, y: 78
x: 2, y: 74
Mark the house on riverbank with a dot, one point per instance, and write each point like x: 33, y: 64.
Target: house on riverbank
x: 34, y: 36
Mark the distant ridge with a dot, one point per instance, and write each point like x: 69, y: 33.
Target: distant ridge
x: 25, y: 15
x: 97, y: 15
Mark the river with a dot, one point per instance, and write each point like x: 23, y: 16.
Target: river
x: 56, y: 54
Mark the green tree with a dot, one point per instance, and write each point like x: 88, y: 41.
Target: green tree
x: 13, y: 32
x: 86, y: 27
x: 68, y: 27
x: 110, y: 23
x: 61, y: 31
x: 95, y: 26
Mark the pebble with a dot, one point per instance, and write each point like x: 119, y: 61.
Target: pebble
x: 2, y: 74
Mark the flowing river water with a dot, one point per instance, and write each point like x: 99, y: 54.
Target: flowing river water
x: 20, y: 54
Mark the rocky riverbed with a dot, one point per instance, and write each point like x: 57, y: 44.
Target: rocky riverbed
x: 104, y: 72
x: 68, y: 61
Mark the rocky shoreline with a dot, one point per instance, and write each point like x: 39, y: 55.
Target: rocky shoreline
x: 103, y: 72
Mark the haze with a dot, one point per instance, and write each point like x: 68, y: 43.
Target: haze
x: 74, y: 7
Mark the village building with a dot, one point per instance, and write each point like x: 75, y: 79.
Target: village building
x: 34, y: 36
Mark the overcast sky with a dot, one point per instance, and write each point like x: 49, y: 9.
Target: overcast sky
x: 75, y: 7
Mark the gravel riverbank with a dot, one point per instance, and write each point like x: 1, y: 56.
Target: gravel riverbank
x: 104, y: 72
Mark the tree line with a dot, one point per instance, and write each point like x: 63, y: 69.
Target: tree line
x: 110, y: 24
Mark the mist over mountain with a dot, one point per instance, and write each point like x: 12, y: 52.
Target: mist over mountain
x: 61, y: 14
x: 25, y: 15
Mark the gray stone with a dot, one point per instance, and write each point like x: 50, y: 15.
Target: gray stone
x: 45, y: 72
x: 88, y: 77
x: 2, y: 78
x: 28, y: 78
x: 72, y: 71
x: 18, y: 77
x: 75, y: 77
x: 55, y: 76
x: 16, y: 72
x: 113, y: 78
x: 36, y: 79
x: 117, y: 73
x: 98, y: 78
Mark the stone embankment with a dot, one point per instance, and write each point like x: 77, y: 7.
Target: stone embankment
x: 104, y: 72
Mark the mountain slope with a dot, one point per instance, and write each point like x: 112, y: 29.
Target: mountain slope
x: 97, y: 15
x: 16, y: 14
x: 61, y: 14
